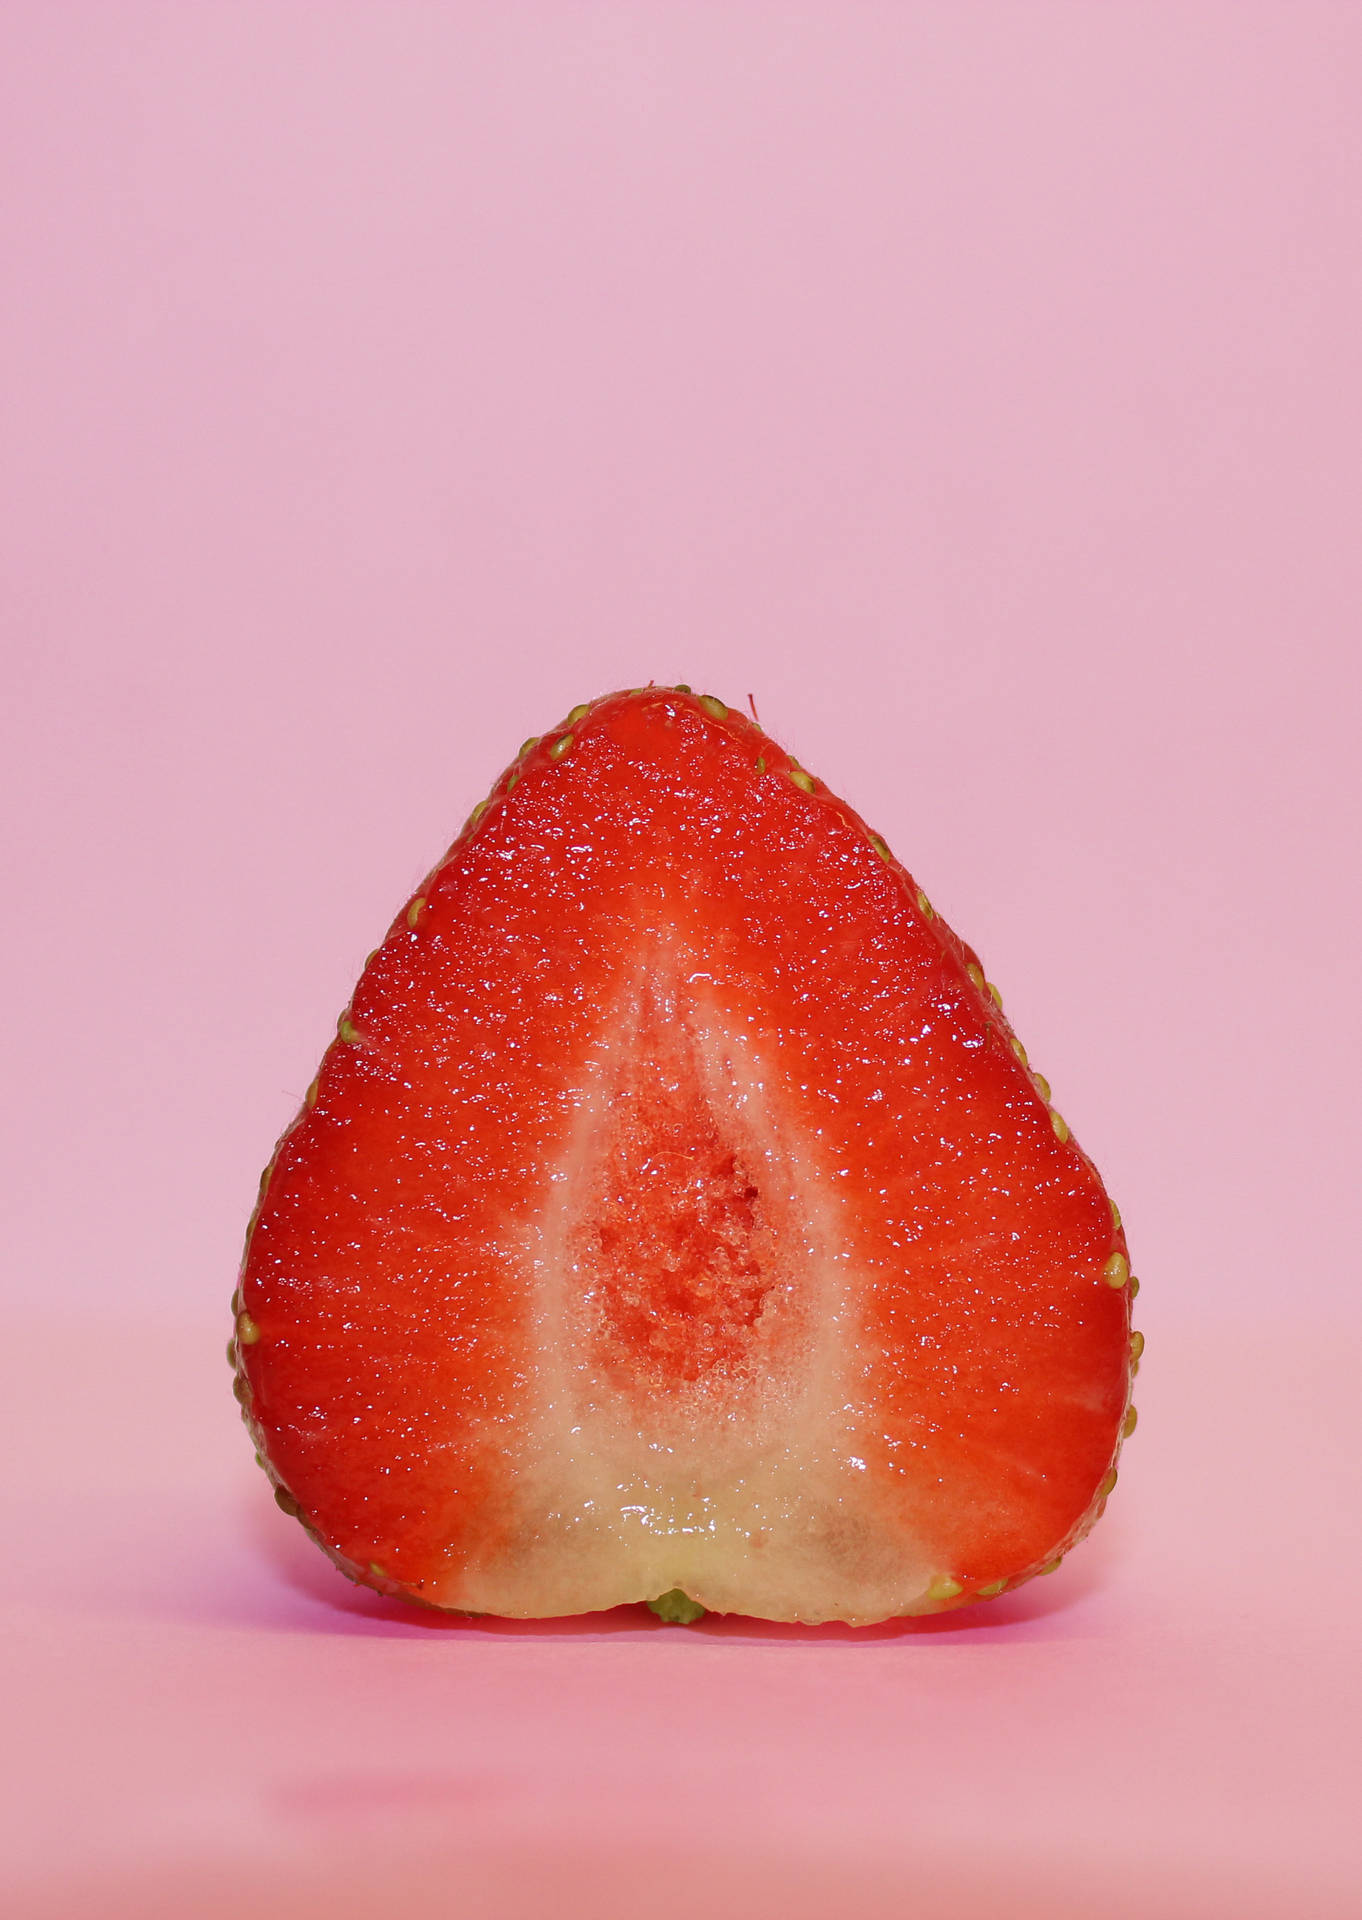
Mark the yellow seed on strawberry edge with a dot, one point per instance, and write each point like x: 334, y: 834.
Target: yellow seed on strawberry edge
x: 347, y: 1031
x: 560, y: 746
x: 992, y: 1590
x: 415, y: 910
x: 1115, y: 1215
x: 1108, y: 1482
x: 247, y: 1332
x: 976, y: 974
x: 996, y: 993
x: 377, y: 1571
x: 1042, y: 1086
x: 1133, y: 1288
x: 578, y: 713
x: 880, y: 847
x: 1054, y: 1565
x: 1129, y: 1424
x: 804, y: 781
x: 924, y: 906
x: 528, y: 746
x: 314, y: 1088
x: 1018, y: 1049
x: 1116, y: 1271
x: 1060, y: 1125
x: 714, y: 708
x: 944, y: 1588
x: 1136, y: 1347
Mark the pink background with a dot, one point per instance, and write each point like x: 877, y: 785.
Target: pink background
x: 978, y: 387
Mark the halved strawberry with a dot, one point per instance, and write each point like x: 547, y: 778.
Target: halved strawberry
x: 675, y: 1214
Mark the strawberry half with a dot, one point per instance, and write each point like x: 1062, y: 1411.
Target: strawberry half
x: 675, y: 1214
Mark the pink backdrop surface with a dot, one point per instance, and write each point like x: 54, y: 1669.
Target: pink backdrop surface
x: 978, y: 387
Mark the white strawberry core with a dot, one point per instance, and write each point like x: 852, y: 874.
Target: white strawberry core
x: 693, y: 1412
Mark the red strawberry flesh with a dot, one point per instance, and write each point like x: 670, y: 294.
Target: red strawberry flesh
x: 675, y: 1211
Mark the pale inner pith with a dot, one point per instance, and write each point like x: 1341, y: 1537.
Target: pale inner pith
x: 691, y: 1418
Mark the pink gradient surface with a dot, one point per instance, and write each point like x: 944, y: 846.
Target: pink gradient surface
x: 977, y: 386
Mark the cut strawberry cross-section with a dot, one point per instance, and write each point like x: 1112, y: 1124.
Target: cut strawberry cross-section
x: 675, y: 1214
